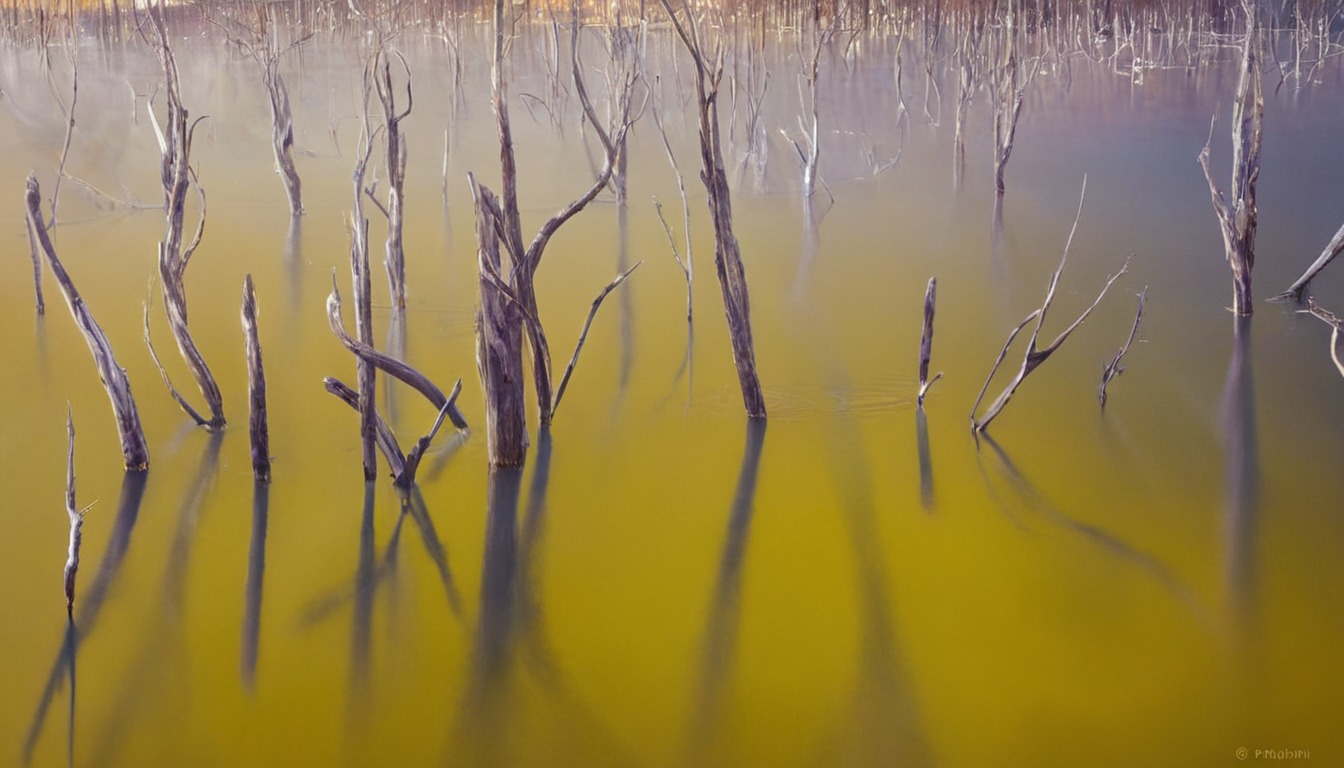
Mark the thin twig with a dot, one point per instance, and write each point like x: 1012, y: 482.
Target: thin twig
x: 583, y: 335
x: 1114, y: 368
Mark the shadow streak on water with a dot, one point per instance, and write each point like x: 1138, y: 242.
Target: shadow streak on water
x: 926, y: 495
x: 1036, y: 500
x: 510, y: 632
x: 720, y: 639
x: 884, y: 721
x: 256, y: 568
x: 70, y: 645
x: 294, y: 266
x: 481, y: 720
x: 361, y: 626
x: 414, y: 502
x: 159, y: 662
x: 1241, y: 478
x: 128, y: 510
x: 627, y: 303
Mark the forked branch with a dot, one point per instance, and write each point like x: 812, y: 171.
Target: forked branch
x: 1034, y: 354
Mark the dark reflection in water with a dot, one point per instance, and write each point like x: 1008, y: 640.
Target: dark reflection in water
x: 719, y: 649
x: 361, y: 627
x: 482, y: 719
x: 511, y: 635
x: 156, y: 670
x: 1241, y: 490
x: 69, y: 646
x: 294, y: 266
x: 811, y: 244
x: 256, y: 568
x: 414, y: 503
x: 926, y: 497
x: 40, y: 344
x: 1035, y: 500
x: 626, y: 300
x: 883, y: 723
x: 91, y: 601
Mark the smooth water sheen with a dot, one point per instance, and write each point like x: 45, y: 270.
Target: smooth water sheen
x: 665, y: 584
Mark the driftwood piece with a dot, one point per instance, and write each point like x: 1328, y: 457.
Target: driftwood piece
x: 177, y: 177
x: 1237, y: 214
x: 926, y: 342
x: 258, y: 430
x: 134, y: 451
x: 1034, y: 355
x: 388, y: 364
x: 1113, y: 368
x: 75, y: 514
x: 727, y: 256
x: 1299, y: 287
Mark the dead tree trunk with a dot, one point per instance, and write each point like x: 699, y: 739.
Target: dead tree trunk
x: 366, y: 376
x: 1237, y: 216
x: 174, y: 257
x: 263, y: 46
x: 134, y: 451
x: 258, y: 429
x: 1009, y: 82
x: 727, y: 256
x: 926, y: 342
x: 1299, y: 287
x: 499, y: 341
x: 507, y: 222
x: 396, y: 170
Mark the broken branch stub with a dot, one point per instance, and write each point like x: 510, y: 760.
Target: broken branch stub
x: 75, y: 515
x: 134, y: 451
x: 926, y: 342
x: 258, y: 430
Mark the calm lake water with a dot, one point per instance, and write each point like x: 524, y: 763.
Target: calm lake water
x: 664, y: 584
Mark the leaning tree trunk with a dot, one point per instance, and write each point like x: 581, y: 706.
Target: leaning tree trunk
x: 133, y: 448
